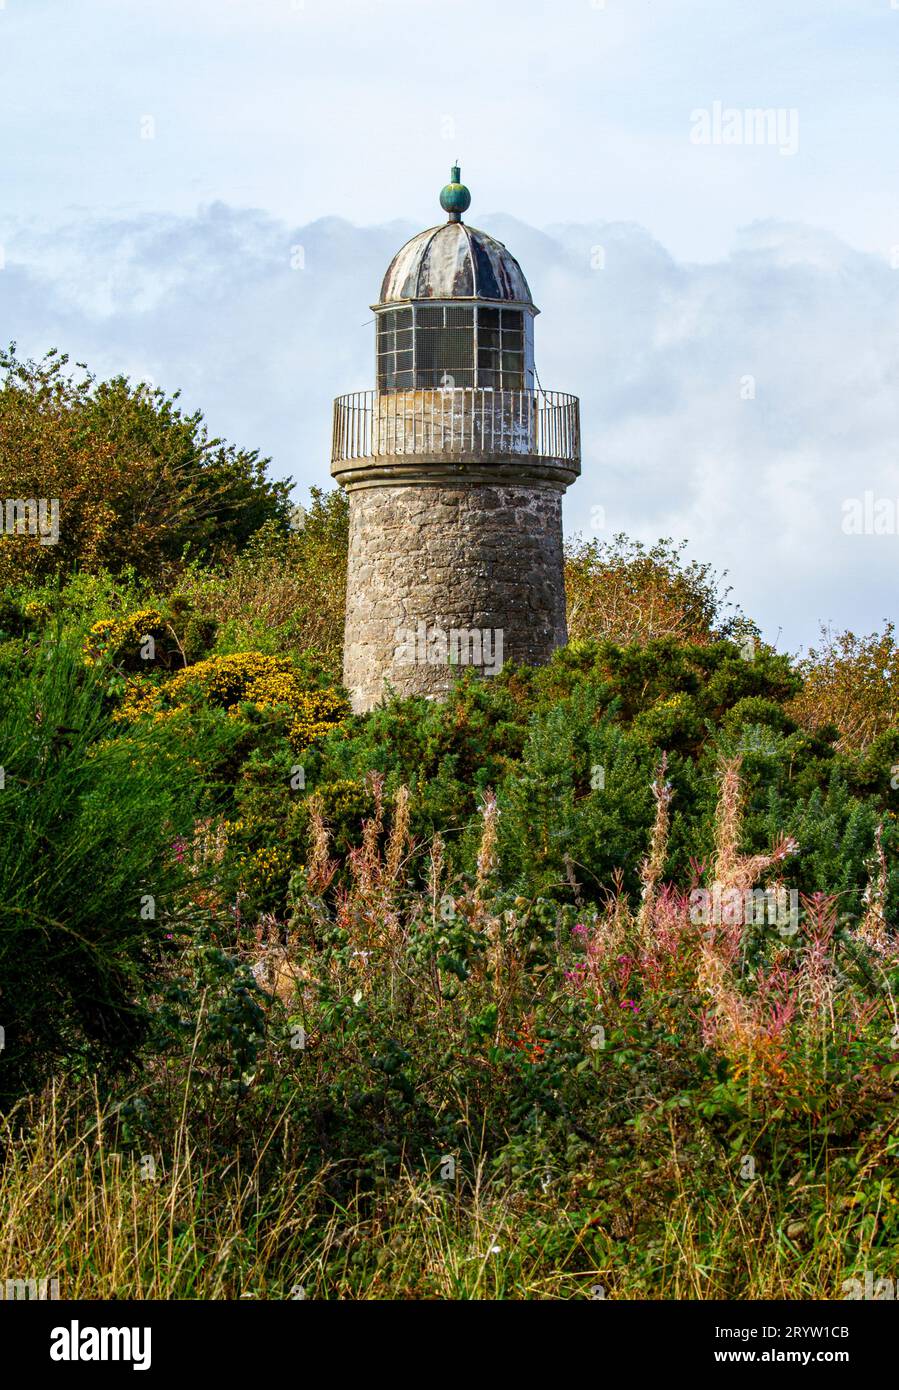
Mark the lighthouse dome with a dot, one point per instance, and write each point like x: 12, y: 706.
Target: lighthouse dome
x: 454, y: 261
x: 454, y: 307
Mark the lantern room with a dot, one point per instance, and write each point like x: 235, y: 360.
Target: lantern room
x: 455, y: 382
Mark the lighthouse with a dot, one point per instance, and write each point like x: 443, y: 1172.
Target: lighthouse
x: 455, y: 466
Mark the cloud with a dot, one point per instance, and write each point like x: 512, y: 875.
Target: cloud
x: 737, y: 404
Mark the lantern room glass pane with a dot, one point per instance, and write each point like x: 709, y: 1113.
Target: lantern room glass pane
x: 444, y: 345
x: 501, y: 348
x: 430, y: 344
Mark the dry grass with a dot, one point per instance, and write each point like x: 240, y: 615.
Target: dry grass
x: 90, y: 1217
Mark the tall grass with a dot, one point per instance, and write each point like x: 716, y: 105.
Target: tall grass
x: 74, y: 1209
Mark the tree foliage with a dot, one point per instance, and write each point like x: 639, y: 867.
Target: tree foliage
x: 139, y: 482
x: 853, y: 683
x: 624, y: 591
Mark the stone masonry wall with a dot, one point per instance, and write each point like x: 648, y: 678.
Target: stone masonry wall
x: 483, y: 562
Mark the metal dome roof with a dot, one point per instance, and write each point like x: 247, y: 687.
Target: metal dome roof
x: 454, y: 261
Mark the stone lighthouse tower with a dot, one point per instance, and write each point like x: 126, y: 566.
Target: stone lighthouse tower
x: 455, y: 467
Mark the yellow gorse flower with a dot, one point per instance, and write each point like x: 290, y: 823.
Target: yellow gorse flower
x: 112, y: 634
x: 227, y: 682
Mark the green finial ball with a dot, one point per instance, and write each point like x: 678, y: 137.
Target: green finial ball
x: 455, y: 197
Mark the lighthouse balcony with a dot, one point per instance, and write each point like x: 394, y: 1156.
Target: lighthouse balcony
x: 384, y: 436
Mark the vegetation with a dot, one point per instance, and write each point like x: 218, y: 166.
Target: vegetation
x: 852, y: 683
x: 141, y: 483
x: 579, y: 983
x: 631, y: 593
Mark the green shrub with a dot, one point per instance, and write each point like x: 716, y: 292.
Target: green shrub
x: 88, y: 874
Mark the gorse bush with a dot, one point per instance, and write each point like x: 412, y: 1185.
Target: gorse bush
x: 570, y: 751
x: 126, y: 642
x: 87, y: 822
x: 230, y: 682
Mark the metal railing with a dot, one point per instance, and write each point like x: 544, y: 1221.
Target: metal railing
x: 461, y: 421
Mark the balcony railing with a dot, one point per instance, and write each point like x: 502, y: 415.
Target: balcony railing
x: 463, y: 422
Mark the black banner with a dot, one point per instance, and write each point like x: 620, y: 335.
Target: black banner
x: 161, y: 1339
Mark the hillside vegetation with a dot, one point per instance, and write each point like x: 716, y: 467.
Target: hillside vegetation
x: 581, y: 983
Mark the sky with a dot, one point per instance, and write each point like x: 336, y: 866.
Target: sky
x: 206, y: 193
